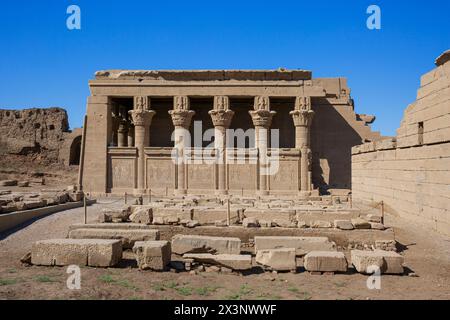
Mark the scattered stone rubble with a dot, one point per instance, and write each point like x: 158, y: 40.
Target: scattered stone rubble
x: 136, y: 228
x: 20, y: 201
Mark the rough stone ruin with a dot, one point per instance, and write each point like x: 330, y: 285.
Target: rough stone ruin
x: 39, y: 131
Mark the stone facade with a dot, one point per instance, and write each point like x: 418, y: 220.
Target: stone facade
x: 138, y: 123
x: 411, y: 173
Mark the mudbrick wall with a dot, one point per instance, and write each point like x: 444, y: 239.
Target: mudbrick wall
x: 34, y: 131
x: 411, y: 173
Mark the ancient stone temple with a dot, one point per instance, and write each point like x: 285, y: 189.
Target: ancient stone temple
x: 212, y: 132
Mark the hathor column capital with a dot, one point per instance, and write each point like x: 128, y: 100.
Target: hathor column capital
x: 303, y: 114
x: 142, y: 117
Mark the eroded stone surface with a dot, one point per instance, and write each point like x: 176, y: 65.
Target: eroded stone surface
x: 232, y: 261
x: 387, y: 261
x: 325, y: 261
x: 283, y: 259
x: 182, y: 244
x: 302, y: 245
x: 81, y: 252
x: 153, y: 255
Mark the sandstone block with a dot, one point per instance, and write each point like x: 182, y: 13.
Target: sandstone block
x: 320, y: 224
x: 232, y: 261
x: 277, y: 259
x: 373, y: 218
x: 266, y: 223
x: 343, y: 224
x: 153, y: 255
x: 182, y: 244
x: 251, y: 222
x: 377, y: 226
x: 285, y: 223
x: 82, y: 252
x: 359, y: 223
x: 142, y: 215
x: 127, y: 236
x: 325, y: 261
x: 387, y: 245
x: 387, y: 261
x: 118, y: 214
x: 302, y: 245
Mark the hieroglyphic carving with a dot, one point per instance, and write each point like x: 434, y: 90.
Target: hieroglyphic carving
x: 141, y: 103
x: 160, y: 173
x: 181, y: 103
x: 200, y: 176
x: 286, y: 178
x: 236, y: 172
x: 122, y: 173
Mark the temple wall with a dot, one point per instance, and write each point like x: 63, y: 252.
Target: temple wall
x: 411, y: 173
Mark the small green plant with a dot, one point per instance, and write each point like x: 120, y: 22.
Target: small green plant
x: 107, y: 278
x: 340, y: 284
x: 45, y: 279
x: 126, y: 284
x: 7, y: 282
x: 306, y: 296
x: 171, y: 285
x: 184, y: 291
x: 245, y: 290
x: 135, y: 298
x: 206, y: 291
x: 158, y: 287
x: 293, y: 289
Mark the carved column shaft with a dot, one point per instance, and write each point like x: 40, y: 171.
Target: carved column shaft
x: 181, y: 118
x: 142, y: 118
x: 302, y: 117
x: 221, y: 117
x: 130, y: 135
x: 262, y: 120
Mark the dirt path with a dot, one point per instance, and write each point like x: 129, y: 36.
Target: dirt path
x: 427, y: 254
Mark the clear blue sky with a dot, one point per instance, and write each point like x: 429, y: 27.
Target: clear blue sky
x: 44, y: 64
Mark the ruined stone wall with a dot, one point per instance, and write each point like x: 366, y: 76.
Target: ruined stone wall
x: 33, y: 131
x: 411, y: 173
x: 336, y: 128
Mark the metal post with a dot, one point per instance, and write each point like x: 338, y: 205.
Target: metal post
x: 382, y: 212
x: 83, y: 147
x: 350, y: 200
x: 150, y: 195
x: 85, y: 208
x: 125, y: 198
x: 228, y: 212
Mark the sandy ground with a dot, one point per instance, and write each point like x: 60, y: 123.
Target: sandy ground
x: 426, y: 254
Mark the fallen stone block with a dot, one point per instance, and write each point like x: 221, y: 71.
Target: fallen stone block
x: 127, y: 236
x: 343, y: 224
x: 8, y: 183
x: 123, y: 226
x: 373, y: 218
x: 277, y: 259
x: 302, y: 245
x: 285, y: 223
x: 302, y: 224
x: 388, y: 261
x: 387, y: 245
x: 75, y: 196
x: 158, y: 221
x: 251, y: 222
x: 320, y: 224
x: 117, y: 214
x: 232, y: 261
x: 190, y: 223
x: 377, y: 226
x: 81, y: 252
x: 325, y: 261
x: 359, y: 223
x: 182, y: 244
x: 33, y: 204
x: 153, y: 255
x: 142, y: 215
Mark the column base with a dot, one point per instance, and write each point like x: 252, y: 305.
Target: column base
x: 180, y: 192
x: 221, y: 192
x: 304, y: 194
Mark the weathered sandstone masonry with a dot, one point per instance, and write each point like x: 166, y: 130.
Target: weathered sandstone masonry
x: 411, y: 173
x: 137, y: 123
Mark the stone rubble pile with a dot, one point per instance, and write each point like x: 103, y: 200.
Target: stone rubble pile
x: 20, y: 201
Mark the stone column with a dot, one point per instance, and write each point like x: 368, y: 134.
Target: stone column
x: 303, y: 116
x: 142, y: 119
x: 115, y: 125
x: 221, y: 117
x: 130, y: 136
x: 262, y: 119
x: 181, y: 118
x: 122, y: 130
